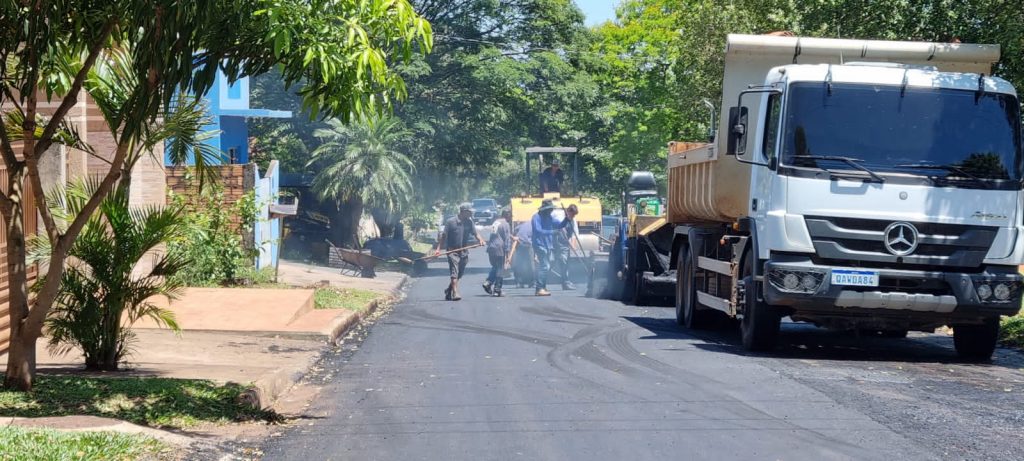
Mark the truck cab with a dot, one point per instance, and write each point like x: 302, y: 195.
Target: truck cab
x: 884, y: 195
x: 888, y: 188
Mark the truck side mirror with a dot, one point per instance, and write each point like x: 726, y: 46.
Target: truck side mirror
x: 737, y: 142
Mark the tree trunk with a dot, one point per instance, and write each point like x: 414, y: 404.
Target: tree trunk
x: 341, y: 230
x: 386, y: 222
x: 345, y: 223
x: 21, y: 359
x: 355, y: 215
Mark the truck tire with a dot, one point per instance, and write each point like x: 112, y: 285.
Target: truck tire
x: 629, y: 280
x: 976, y: 343
x: 760, y: 325
x: 640, y: 297
x: 687, y: 313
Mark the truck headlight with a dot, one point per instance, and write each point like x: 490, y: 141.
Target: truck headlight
x: 984, y: 292
x: 790, y: 281
x: 795, y: 281
x: 1002, y: 291
x: 809, y: 282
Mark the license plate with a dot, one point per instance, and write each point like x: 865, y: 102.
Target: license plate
x: 854, y: 278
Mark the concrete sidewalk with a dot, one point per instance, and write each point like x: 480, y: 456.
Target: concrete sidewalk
x: 269, y: 365
x: 268, y: 338
x: 306, y: 275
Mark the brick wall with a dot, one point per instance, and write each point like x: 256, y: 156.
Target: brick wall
x: 235, y: 180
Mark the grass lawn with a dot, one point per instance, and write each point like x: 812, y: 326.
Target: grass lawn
x: 30, y: 444
x: 421, y: 247
x: 343, y: 298
x: 157, y: 402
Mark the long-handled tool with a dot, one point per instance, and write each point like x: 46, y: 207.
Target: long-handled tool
x: 511, y: 253
x: 602, y: 238
x: 405, y: 260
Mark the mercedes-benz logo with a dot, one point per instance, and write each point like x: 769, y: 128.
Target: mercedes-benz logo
x: 900, y: 238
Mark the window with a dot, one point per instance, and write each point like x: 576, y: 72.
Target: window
x: 962, y: 133
x: 771, y: 125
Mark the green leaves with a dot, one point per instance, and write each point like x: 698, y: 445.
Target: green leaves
x: 364, y: 160
x: 104, y: 291
x: 340, y: 53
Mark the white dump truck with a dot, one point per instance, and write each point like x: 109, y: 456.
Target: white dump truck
x: 856, y: 185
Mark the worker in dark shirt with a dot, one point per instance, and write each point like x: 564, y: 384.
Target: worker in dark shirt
x: 551, y: 178
x: 459, y: 234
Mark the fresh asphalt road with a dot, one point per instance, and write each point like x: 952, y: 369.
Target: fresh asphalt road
x: 568, y: 377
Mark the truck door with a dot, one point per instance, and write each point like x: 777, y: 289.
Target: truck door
x: 763, y: 178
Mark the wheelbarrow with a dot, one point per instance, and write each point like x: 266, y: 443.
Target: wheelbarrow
x: 356, y: 262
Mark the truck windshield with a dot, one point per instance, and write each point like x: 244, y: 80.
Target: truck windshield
x: 483, y: 203
x: 960, y: 137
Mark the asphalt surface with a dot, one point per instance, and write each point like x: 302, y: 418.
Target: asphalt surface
x: 568, y: 377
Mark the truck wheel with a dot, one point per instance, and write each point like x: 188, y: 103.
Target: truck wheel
x: 687, y: 313
x: 629, y: 275
x: 639, y: 291
x: 628, y: 286
x: 760, y: 325
x: 976, y: 343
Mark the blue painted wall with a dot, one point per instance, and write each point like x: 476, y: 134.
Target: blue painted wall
x: 234, y: 134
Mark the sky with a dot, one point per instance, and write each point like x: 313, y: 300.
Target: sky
x: 597, y: 11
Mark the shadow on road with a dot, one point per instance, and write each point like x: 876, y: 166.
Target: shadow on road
x: 438, y: 271
x: 806, y: 342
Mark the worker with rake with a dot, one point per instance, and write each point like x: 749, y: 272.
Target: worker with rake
x: 458, y: 237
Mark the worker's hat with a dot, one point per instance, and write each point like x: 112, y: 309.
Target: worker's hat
x: 546, y: 205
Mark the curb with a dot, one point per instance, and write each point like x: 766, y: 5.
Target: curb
x: 266, y: 390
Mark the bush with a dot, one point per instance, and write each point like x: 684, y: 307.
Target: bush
x: 1012, y: 331
x: 212, y: 238
x: 101, y: 295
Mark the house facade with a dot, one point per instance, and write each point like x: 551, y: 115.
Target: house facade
x: 229, y: 108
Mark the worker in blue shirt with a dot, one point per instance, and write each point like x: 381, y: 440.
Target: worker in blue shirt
x: 543, y: 230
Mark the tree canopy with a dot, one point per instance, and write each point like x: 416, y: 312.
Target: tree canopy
x: 507, y: 75
x: 338, y: 55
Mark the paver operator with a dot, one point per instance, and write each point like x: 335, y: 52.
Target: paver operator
x: 458, y: 236
x: 551, y: 178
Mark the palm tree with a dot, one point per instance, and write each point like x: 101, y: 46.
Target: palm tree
x: 101, y: 295
x: 362, y: 165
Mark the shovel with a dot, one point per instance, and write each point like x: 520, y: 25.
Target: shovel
x: 405, y: 260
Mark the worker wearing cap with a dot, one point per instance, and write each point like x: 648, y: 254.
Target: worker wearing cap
x: 543, y: 231
x: 552, y: 177
x: 459, y: 234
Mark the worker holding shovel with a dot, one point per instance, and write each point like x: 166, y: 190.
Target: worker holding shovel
x: 458, y: 237
x: 543, y: 230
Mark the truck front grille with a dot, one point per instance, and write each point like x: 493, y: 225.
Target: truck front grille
x: 860, y: 242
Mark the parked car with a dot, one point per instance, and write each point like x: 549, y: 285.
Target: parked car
x: 485, y: 211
